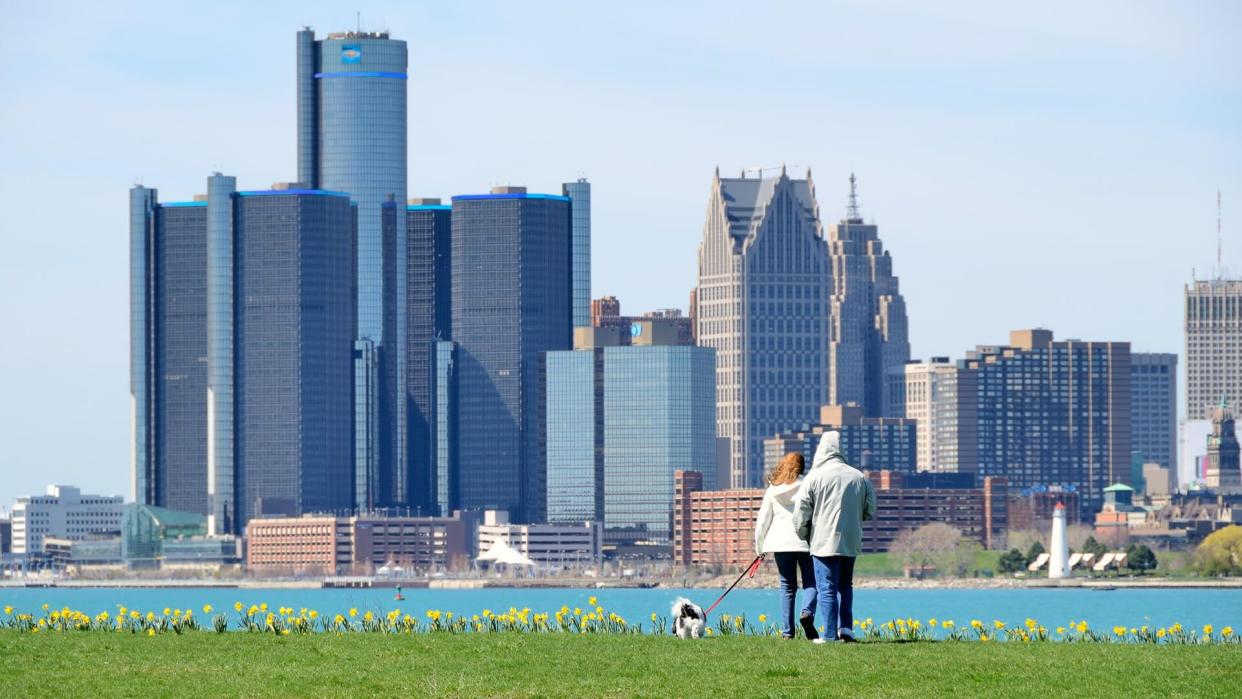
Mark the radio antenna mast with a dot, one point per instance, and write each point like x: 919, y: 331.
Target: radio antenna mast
x: 1220, y: 268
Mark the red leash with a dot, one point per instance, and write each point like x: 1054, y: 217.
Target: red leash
x: 748, y: 573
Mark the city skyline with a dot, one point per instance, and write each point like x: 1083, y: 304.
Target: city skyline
x: 939, y: 192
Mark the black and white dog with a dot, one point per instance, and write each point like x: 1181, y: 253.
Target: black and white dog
x: 689, y: 619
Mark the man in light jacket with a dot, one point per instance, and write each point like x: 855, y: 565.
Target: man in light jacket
x: 829, y: 511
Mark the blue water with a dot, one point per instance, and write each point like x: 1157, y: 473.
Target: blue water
x: 1052, y: 607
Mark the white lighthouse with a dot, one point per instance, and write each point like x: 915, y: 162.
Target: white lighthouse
x: 1058, y: 561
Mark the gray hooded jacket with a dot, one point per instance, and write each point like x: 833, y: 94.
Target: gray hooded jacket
x: 834, y: 501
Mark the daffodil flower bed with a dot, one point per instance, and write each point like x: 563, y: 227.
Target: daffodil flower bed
x: 593, y: 619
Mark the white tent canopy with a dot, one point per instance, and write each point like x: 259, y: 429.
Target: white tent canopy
x: 500, y: 552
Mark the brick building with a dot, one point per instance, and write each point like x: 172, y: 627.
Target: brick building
x: 717, y: 527
x: 338, y: 545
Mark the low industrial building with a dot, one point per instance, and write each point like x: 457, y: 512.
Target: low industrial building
x: 63, y: 513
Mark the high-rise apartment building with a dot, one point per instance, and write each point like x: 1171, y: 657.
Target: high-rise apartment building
x: 1153, y: 408
x: 942, y: 399
x: 351, y: 126
x: 1054, y: 413
x: 247, y: 404
x: 620, y: 420
x: 868, y: 334
x: 579, y: 193
x: 511, y: 303
x: 429, y: 320
x: 762, y: 302
x: 1213, y: 345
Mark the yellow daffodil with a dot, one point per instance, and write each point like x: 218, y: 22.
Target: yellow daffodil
x: 1082, y: 627
x: 1060, y: 630
x: 353, y: 612
x: 151, y: 632
x: 1226, y: 632
x: 1207, y: 630
x: 1160, y: 633
x: 932, y: 623
x: 591, y: 601
x: 238, y: 607
x: 998, y: 624
x: 8, y: 609
x: 762, y: 618
x: 976, y: 624
x: 314, y: 614
x: 1119, y: 630
x: 208, y: 609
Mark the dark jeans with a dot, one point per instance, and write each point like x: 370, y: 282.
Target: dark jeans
x: 790, y: 564
x: 834, y: 575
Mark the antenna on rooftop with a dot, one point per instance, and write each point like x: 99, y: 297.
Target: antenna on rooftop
x: 359, y: 15
x: 851, y: 212
x: 1220, y: 268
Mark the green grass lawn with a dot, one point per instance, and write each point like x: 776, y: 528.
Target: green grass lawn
x: 94, y: 664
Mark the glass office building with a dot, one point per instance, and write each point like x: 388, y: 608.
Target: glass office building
x: 575, y: 461
x: 168, y: 349
x: 579, y: 194
x: 621, y: 420
x: 295, y: 328
x: 428, y: 308
x: 511, y: 292
x: 444, y: 427
x: 243, y: 325
x: 351, y: 125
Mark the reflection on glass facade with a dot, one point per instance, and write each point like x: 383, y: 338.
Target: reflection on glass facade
x: 510, y: 303
x: 295, y: 326
x: 579, y: 194
x: 443, y: 444
x: 351, y: 127
x: 168, y: 367
x: 621, y: 420
x: 428, y: 308
x: 659, y: 416
x: 575, y: 436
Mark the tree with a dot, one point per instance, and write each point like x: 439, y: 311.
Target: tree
x: 1221, y: 552
x: 1093, y: 546
x: 1140, y: 559
x: 920, y: 548
x: 1012, y: 561
x: 1036, y: 549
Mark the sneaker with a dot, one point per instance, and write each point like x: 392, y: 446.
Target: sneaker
x: 808, y: 625
x: 846, y: 635
x: 822, y: 640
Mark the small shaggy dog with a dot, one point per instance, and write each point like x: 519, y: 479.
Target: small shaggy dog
x: 688, y: 619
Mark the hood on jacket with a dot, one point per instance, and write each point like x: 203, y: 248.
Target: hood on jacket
x: 785, y: 492
x: 829, y: 448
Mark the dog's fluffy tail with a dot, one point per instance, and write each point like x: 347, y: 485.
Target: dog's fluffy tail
x: 684, y: 607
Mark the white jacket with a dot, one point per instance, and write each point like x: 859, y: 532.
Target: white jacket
x: 774, y: 528
x: 833, y: 503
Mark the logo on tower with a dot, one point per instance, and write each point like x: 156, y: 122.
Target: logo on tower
x: 351, y: 53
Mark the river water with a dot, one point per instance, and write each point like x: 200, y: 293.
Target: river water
x: 1102, y: 609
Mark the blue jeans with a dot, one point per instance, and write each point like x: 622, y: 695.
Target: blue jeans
x: 790, y: 564
x: 834, y: 576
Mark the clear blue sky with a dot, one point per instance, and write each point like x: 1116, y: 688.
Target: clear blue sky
x: 1053, y: 166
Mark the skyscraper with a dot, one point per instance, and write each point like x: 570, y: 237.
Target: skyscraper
x: 429, y: 312
x: 1213, y: 345
x: 511, y: 303
x: 168, y: 350
x: 621, y: 419
x: 1153, y: 411
x: 243, y: 322
x: 351, y: 125
x: 1221, y: 471
x: 762, y: 302
x: 868, y: 331
x: 579, y: 194
x: 293, y: 339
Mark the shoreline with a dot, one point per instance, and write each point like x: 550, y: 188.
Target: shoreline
x: 1101, y: 584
